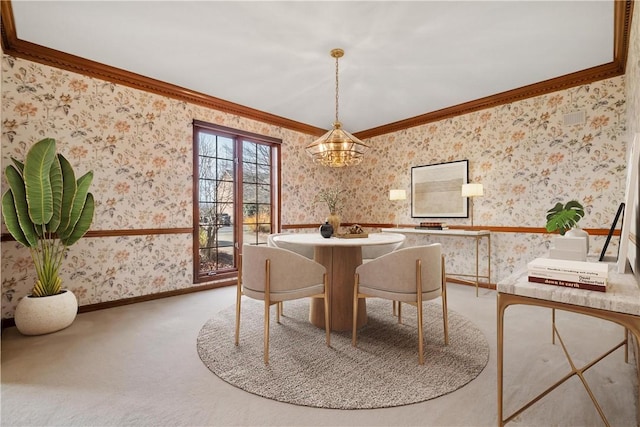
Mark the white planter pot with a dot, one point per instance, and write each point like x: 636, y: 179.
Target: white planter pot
x: 579, y: 232
x: 43, y: 315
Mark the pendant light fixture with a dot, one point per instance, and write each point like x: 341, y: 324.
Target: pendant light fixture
x: 337, y: 148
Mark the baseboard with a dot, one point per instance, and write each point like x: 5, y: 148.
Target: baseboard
x: 7, y: 323
x: 10, y: 321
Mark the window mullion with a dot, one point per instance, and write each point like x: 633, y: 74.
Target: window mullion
x: 219, y: 170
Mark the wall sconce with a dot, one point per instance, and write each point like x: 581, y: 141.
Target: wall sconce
x: 472, y: 190
x: 397, y: 195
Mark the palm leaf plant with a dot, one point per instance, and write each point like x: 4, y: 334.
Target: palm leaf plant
x: 564, y: 217
x: 47, y: 210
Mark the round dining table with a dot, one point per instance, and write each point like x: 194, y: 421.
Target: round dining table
x: 340, y: 256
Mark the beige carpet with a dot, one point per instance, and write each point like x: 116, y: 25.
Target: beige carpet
x: 137, y: 365
x: 382, y: 371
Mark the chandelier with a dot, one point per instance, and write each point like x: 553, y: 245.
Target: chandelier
x: 337, y: 148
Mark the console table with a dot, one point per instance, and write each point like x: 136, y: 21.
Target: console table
x: 476, y: 235
x: 620, y: 304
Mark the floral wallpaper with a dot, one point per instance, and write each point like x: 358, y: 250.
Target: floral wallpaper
x: 139, y: 146
x: 527, y: 160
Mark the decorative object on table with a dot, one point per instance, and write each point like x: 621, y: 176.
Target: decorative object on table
x: 435, y: 190
x: 395, y: 195
x: 326, y: 230
x: 334, y: 219
x: 470, y: 191
x: 579, y: 232
x: 619, y: 215
x: 432, y: 226
x: 333, y: 199
x: 355, y: 231
x: 591, y: 276
x: 352, y: 236
x: 564, y: 219
x: 337, y: 148
x: 569, y: 248
x: 47, y: 210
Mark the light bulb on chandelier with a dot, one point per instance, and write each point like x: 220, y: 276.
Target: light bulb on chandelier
x: 337, y: 148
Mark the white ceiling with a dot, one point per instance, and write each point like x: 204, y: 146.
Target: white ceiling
x: 402, y: 59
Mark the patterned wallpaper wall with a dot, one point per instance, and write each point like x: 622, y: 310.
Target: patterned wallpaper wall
x: 139, y: 146
x: 527, y: 160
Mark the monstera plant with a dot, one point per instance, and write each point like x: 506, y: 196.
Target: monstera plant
x: 562, y: 218
x: 47, y: 210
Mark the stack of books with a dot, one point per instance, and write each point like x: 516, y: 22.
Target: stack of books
x: 573, y: 274
x: 432, y: 226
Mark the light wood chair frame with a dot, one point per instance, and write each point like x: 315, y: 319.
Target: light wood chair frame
x: 268, y: 303
x: 418, y: 304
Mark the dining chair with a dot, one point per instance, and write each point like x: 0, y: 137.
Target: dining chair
x: 410, y: 275
x: 304, y: 250
x: 371, y: 252
x: 274, y: 275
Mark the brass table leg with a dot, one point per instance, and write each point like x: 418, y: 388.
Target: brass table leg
x: 630, y: 322
x: 477, y: 264
x: 499, y: 355
x: 489, y: 258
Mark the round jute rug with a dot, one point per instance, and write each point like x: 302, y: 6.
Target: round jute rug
x: 381, y: 372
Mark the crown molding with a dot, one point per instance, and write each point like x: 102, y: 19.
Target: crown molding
x: 623, y: 11
x: 18, y: 48
x: 13, y: 46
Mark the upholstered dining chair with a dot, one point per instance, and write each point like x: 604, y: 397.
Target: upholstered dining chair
x: 371, y: 252
x: 410, y: 275
x: 304, y: 250
x: 274, y: 275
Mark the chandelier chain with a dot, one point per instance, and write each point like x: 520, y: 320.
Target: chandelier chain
x: 337, y: 89
x: 337, y: 148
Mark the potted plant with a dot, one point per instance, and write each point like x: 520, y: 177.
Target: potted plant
x: 564, y: 219
x: 47, y: 210
x: 332, y: 197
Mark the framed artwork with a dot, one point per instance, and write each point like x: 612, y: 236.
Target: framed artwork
x: 436, y: 190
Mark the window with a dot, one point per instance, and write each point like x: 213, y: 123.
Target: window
x: 236, y: 196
